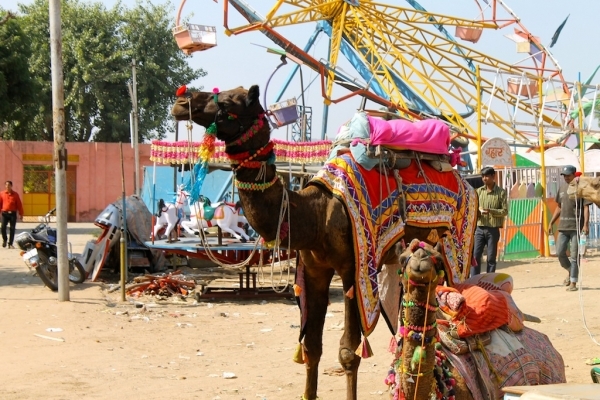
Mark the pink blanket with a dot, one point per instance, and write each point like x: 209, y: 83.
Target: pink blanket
x: 427, y: 136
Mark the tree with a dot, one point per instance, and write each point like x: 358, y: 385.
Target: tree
x: 16, y: 85
x: 98, y: 48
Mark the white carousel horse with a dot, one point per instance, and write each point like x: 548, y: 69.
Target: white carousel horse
x: 169, y: 214
x: 225, y: 216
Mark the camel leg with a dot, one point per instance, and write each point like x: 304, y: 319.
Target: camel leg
x: 317, y: 282
x: 351, y: 338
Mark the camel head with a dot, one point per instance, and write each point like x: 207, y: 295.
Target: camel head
x: 586, y: 188
x: 421, y: 262
x: 233, y: 111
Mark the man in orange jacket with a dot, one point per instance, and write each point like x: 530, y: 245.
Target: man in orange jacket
x: 11, y: 208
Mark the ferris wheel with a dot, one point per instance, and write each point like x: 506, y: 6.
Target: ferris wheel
x: 409, y: 60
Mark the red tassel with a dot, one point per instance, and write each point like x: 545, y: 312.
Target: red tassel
x: 350, y: 293
x: 181, y: 91
x: 297, y: 290
x: 364, y: 349
x: 393, y: 347
x: 299, y: 354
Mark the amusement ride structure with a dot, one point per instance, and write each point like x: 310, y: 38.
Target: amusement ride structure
x: 480, y: 70
x: 425, y: 64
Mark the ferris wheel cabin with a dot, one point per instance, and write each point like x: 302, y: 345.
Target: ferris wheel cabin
x: 193, y: 37
x: 469, y: 34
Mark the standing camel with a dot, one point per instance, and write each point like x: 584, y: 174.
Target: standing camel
x: 319, y: 224
x: 419, y: 365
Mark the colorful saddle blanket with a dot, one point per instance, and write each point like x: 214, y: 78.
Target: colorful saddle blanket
x: 372, y: 201
x: 433, y: 199
x: 525, y: 358
x: 443, y: 200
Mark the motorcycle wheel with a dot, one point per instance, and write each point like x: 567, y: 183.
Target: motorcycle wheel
x: 47, y: 273
x: 76, y: 272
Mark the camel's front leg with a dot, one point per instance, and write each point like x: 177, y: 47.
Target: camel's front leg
x: 351, y: 338
x: 317, y: 282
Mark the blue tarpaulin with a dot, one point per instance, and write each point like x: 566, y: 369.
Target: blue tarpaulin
x: 216, y: 185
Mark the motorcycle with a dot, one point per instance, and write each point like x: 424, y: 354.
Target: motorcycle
x: 40, y: 254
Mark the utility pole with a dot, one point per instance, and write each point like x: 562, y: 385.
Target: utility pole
x: 60, y: 152
x: 176, y: 167
x: 134, y: 118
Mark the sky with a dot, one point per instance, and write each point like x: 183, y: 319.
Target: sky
x: 243, y: 60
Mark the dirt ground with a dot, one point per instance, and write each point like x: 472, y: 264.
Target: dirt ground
x: 97, y: 347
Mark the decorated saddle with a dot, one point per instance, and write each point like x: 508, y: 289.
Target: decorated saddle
x: 433, y: 199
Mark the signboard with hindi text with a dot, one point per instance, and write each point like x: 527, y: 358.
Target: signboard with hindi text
x: 496, y: 152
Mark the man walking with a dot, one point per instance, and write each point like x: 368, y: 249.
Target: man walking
x: 570, y: 211
x: 492, y: 210
x: 11, y: 208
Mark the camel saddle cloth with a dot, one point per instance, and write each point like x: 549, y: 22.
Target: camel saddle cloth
x: 373, y: 202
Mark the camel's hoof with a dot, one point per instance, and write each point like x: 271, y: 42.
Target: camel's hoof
x: 346, y: 358
x: 243, y: 240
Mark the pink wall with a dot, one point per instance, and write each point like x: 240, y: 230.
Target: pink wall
x: 98, y: 170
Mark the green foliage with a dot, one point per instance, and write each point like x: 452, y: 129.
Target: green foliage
x: 98, y: 47
x: 16, y: 84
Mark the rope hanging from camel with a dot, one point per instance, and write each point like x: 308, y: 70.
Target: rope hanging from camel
x: 282, y: 231
x: 203, y: 238
x: 282, y: 227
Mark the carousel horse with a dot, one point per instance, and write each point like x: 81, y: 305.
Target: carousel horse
x: 169, y: 215
x: 224, y: 215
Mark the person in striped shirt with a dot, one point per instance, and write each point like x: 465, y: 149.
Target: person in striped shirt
x: 493, y: 209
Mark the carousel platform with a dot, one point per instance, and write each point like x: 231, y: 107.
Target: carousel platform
x: 228, y: 251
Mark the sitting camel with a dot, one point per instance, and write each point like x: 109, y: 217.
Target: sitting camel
x: 318, y: 223
x: 422, y: 371
x: 585, y: 187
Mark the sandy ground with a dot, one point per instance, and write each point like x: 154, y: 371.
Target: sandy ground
x: 185, y: 349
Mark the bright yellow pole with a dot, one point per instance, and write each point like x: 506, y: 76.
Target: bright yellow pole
x: 543, y: 171
x: 478, y: 80
x: 273, y: 10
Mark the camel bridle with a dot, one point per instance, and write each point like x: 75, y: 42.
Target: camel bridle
x: 223, y: 113
x: 419, y: 334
